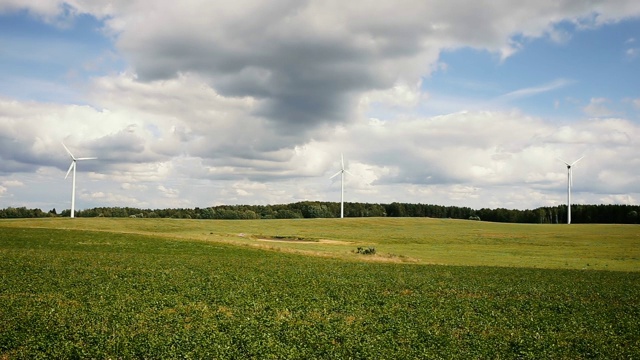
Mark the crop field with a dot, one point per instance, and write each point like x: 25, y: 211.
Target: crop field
x: 160, y: 288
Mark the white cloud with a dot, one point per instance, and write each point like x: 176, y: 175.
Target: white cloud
x: 619, y: 199
x: 559, y: 36
x: 398, y: 96
x: 253, y: 102
x: 168, y: 192
x: 631, y: 52
x: 111, y: 199
x: 532, y: 91
x: 249, y: 188
x: 134, y: 187
x: 302, y: 62
x: 45, y: 9
x: 466, y: 159
x: 598, y: 107
x: 12, y: 183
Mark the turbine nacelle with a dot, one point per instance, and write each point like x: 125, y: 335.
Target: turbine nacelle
x: 342, y: 169
x: 569, y: 165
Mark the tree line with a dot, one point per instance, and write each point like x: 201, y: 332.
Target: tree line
x: 604, y: 214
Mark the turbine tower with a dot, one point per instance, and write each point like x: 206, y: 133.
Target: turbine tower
x: 73, y: 182
x: 341, y: 173
x: 569, y: 183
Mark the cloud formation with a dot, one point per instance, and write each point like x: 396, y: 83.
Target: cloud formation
x: 306, y: 63
x: 252, y: 101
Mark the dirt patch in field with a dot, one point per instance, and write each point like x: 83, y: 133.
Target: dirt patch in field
x: 304, y: 241
x: 288, y: 240
x: 335, y: 242
x: 389, y: 258
x: 293, y: 239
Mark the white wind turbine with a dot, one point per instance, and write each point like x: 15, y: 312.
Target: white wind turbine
x: 341, y: 173
x: 569, y: 183
x: 73, y: 186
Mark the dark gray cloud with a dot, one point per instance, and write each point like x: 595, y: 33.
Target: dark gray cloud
x: 306, y: 62
x: 299, y: 85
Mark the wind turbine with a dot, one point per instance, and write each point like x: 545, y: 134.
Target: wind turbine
x: 569, y: 183
x: 73, y: 186
x: 341, y: 173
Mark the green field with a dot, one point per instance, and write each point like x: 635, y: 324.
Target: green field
x: 160, y: 288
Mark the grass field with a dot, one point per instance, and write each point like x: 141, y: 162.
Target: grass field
x: 410, y: 240
x: 159, y: 288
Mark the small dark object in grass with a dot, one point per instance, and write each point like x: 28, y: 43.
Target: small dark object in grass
x: 366, y: 251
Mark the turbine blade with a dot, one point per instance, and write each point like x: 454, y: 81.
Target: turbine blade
x: 342, y: 161
x: 336, y: 174
x: 573, y: 163
x: 87, y: 158
x: 349, y: 172
x: 70, y: 167
x: 563, y: 161
x: 68, y: 152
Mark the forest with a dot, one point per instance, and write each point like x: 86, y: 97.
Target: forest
x: 601, y: 214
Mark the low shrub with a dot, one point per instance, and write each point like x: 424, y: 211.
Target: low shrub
x: 366, y: 251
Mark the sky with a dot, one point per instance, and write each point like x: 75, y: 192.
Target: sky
x: 201, y: 103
